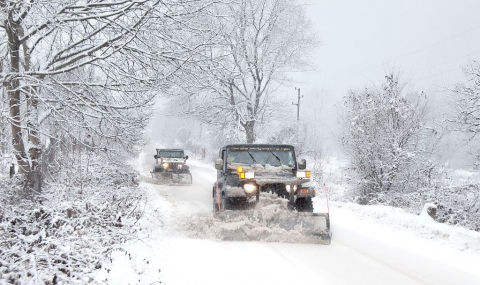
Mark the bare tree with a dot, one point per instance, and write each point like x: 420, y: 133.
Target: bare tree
x: 386, y: 139
x: 88, y: 70
x: 256, y: 44
x: 467, y: 106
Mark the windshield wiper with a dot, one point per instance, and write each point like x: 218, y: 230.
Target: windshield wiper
x: 281, y: 163
x: 253, y: 158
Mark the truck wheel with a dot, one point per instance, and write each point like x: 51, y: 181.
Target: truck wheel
x: 281, y: 191
x: 215, y: 205
x: 224, y: 203
x: 304, y: 204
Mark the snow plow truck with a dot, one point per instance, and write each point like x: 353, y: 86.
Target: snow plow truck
x: 244, y: 171
x: 170, y: 168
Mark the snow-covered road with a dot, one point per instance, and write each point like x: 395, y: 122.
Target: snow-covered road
x: 370, y: 246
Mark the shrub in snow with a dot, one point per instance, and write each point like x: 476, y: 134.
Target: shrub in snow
x: 459, y: 205
x: 387, y: 142
x: 61, y: 235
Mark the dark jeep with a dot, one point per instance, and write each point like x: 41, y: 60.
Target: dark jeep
x: 245, y: 170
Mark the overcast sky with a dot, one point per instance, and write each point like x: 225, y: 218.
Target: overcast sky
x: 429, y: 40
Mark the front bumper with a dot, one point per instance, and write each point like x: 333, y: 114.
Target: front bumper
x: 238, y: 192
x: 280, y: 180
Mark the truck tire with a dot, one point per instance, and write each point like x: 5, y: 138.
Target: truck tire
x: 281, y: 191
x: 225, y: 205
x: 304, y: 204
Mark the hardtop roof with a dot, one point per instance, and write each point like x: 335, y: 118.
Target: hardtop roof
x: 259, y: 145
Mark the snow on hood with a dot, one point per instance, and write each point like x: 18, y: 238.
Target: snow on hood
x: 259, y: 167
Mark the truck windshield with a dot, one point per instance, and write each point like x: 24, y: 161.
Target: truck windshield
x: 274, y: 156
x: 171, y: 153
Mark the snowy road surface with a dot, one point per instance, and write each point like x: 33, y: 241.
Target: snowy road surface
x: 376, y: 245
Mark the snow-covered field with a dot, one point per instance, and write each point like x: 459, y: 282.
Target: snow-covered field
x: 179, y: 244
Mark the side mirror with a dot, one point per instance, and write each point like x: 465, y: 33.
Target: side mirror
x: 219, y: 163
x: 186, y: 156
x: 155, y: 156
x: 302, y: 164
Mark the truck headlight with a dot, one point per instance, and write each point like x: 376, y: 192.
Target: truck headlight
x: 290, y: 188
x: 303, y: 174
x: 165, y: 165
x: 244, y: 175
x: 249, y: 175
x: 249, y: 188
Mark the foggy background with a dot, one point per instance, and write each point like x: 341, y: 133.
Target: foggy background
x: 427, y: 41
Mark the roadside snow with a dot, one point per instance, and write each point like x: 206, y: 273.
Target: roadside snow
x: 422, y: 226
x: 180, y: 243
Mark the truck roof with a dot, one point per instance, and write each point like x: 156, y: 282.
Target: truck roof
x: 259, y: 146
x: 170, y: 149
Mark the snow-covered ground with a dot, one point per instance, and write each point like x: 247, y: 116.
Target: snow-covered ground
x: 370, y: 245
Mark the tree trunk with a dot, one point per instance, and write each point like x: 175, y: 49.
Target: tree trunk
x: 31, y: 172
x: 249, y: 127
x: 35, y: 176
x: 12, y: 86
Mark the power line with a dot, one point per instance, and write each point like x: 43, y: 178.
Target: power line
x: 437, y: 43
x: 439, y: 73
x: 455, y: 59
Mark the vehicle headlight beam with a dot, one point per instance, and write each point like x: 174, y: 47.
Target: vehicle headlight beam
x: 249, y: 188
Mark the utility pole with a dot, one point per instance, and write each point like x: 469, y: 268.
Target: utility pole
x: 298, y: 103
